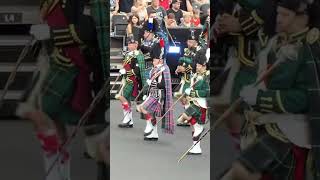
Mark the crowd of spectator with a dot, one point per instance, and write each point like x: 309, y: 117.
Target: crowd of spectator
x: 175, y: 13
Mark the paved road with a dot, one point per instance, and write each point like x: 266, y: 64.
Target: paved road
x: 222, y: 152
x: 133, y: 158
x: 20, y: 156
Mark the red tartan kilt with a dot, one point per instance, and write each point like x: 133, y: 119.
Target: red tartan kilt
x: 152, y: 105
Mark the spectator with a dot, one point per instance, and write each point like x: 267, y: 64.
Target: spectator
x: 133, y: 26
x: 165, y: 4
x: 185, y: 5
x: 195, y: 20
x: 171, y: 22
x: 125, y: 5
x: 114, y: 6
x: 161, y: 14
x: 187, y: 20
x: 205, y: 9
x: 140, y: 9
x: 175, y: 9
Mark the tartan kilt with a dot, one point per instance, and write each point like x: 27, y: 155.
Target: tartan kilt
x: 195, y: 112
x: 57, y: 91
x: 152, y: 105
x: 269, y: 155
x: 127, y: 91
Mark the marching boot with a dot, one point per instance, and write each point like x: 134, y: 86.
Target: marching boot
x: 198, y: 130
x: 127, y: 120
x: 196, y: 150
x: 149, y: 126
x: 153, y: 136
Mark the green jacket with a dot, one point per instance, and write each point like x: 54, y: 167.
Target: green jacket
x: 287, y: 85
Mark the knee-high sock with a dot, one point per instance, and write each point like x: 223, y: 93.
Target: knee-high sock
x: 50, y: 146
x: 126, y: 112
x: 64, y: 164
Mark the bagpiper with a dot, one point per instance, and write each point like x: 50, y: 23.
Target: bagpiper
x: 280, y: 137
x: 148, y: 40
x: 63, y: 88
x: 197, y: 93
x: 158, y: 101
x: 149, y: 35
x: 245, y: 29
x: 185, y: 70
x: 134, y: 78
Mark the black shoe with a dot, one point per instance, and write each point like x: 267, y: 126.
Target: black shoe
x: 126, y: 125
x: 183, y: 124
x: 150, y: 139
x: 190, y: 153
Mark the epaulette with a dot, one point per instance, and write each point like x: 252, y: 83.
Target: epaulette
x: 251, y: 23
x: 313, y: 36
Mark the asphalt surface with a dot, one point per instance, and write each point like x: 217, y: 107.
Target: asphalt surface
x: 223, y: 152
x: 131, y: 157
x: 21, y: 158
x: 135, y: 159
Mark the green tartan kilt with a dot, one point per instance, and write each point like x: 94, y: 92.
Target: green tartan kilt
x: 127, y: 91
x: 269, y: 155
x: 243, y: 77
x: 195, y: 112
x: 57, y: 92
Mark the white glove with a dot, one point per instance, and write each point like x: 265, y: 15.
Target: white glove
x: 188, y: 91
x: 144, y: 97
x: 149, y: 81
x: 122, y: 71
x: 40, y: 31
x: 249, y: 94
